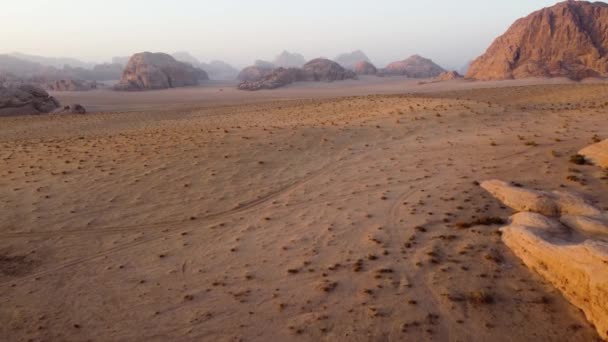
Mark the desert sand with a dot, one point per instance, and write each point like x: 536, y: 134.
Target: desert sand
x: 309, y: 213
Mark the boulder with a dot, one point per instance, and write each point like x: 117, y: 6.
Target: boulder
x: 26, y: 99
x: 148, y: 70
x: 277, y: 78
x: 566, y: 40
x: 568, y: 246
x: 597, y: 153
x: 365, y: 68
x: 414, y: 67
x: 324, y: 70
x: 71, y: 109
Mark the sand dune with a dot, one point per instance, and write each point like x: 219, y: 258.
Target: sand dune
x: 310, y: 213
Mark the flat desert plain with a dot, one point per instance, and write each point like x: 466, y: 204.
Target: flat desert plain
x: 283, y: 217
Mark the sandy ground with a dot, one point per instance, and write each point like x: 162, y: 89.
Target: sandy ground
x: 217, y: 93
x: 307, y: 220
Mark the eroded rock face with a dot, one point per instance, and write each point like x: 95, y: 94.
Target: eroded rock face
x: 324, y: 70
x: 569, y: 39
x: 597, y: 153
x: 70, y: 85
x: 564, y: 238
x: 279, y: 77
x: 26, y: 99
x: 415, y: 67
x: 148, y: 70
x: 365, y: 68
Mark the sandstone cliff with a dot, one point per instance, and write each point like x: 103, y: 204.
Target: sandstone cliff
x: 569, y: 39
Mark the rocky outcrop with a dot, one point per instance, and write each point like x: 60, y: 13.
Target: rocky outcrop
x: 279, y: 77
x: 254, y: 73
x: 324, y: 70
x: 317, y: 70
x: 26, y: 99
x: 448, y: 76
x: 365, y: 68
x: 148, y: 70
x: 414, y: 67
x: 71, y: 109
x: 567, y: 40
x: 597, y: 153
x: 70, y: 85
x: 351, y: 59
x: 564, y: 238
x: 289, y: 60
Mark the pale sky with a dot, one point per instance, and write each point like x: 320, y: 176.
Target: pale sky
x: 450, y: 32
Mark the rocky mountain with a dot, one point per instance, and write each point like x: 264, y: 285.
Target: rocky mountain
x: 186, y: 57
x: 122, y: 60
x: 56, y: 62
x: 149, y: 70
x: 32, y: 72
x: 325, y: 70
x: 289, y: 60
x: 569, y: 39
x: 349, y: 60
x: 365, y: 68
x: 415, y: 67
x: 218, y: 70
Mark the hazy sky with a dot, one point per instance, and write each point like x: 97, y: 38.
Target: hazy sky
x: 450, y: 32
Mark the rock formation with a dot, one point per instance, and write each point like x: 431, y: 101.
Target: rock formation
x: 414, y: 67
x: 351, y: 59
x: 564, y: 238
x: 569, y: 40
x: 70, y: 85
x: 275, y: 79
x: 324, y: 70
x: 71, y: 109
x: 448, y: 75
x: 158, y: 71
x: 254, y: 73
x: 289, y: 60
x: 26, y: 99
x: 597, y: 153
x: 317, y: 70
x: 365, y: 68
